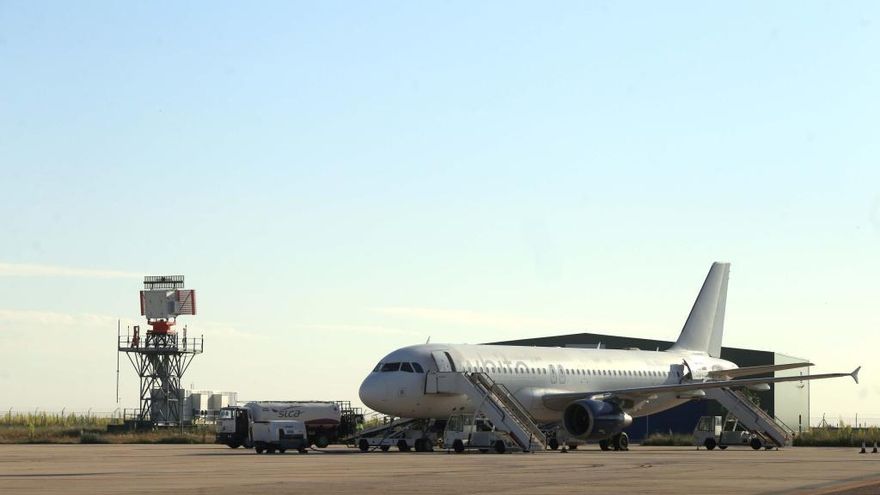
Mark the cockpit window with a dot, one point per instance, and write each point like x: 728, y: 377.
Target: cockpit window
x: 406, y: 367
x: 390, y: 367
x: 378, y: 368
x: 418, y: 368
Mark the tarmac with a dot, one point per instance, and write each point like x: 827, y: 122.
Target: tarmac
x: 215, y: 469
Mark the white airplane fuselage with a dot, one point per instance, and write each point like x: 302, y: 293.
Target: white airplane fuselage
x: 529, y: 373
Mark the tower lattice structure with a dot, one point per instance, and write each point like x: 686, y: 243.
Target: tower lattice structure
x: 161, y: 355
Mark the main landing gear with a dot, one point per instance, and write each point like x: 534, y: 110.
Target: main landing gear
x: 617, y: 442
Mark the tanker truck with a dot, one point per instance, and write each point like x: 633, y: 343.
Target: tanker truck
x: 326, y: 422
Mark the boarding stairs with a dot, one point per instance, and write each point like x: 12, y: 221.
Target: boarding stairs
x: 752, y: 416
x: 493, y: 400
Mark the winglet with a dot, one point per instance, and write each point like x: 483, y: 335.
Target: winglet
x: 855, y: 374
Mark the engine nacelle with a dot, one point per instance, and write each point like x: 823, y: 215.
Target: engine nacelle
x: 594, y: 419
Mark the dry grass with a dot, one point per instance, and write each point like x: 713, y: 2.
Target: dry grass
x: 59, y: 428
x: 844, y: 436
x: 668, y: 439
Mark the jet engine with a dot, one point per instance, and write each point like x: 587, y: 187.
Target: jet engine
x: 594, y: 419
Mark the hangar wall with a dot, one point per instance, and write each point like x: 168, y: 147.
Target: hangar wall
x: 788, y: 402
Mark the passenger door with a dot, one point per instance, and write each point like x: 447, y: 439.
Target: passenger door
x: 443, y: 361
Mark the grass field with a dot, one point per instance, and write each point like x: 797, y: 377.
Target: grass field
x: 43, y: 427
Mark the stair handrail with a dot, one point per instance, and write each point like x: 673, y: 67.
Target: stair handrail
x: 510, y: 402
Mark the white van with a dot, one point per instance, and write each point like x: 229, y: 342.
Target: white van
x: 272, y: 436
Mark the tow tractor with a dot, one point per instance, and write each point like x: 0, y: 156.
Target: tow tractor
x: 711, y: 432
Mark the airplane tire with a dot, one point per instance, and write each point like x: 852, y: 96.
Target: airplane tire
x: 710, y: 444
x: 322, y: 441
x: 755, y: 443
x: 572, y: 446
x: 621, y: 442
x: 458, y: 445
x: 403, y: 446
x: 553, y: 444
x: 363, y: 445
x: 499, y: 447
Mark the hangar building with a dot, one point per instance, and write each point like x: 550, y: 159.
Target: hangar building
x: 788, y: 402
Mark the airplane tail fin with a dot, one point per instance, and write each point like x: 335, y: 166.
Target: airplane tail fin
x: 705, y: 325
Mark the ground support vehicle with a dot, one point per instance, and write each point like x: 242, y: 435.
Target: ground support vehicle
x: 710, y: 432
x: 279, y: 436
x: 326, y: 422
x: 405, y: 434
x: 469, y: 432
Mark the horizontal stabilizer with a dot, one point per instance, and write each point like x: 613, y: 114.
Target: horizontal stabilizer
x: 754, y: 370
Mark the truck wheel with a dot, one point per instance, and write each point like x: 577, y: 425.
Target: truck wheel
x: 403, y: 446
x: 574, y: 446
x: 603, y: 444
x: 281, y: 451
x: 302, y: 450
x: 722, y: 447
x: 710, y: 443
x: 270, y: 450
x: 385, y: 448
x: 458, y: 445
x: 363, y: 444
x: 259, y: 450
x: 233, y: 445
x: 755, y: 443
x: 553, y: 444
x: 499, y: 447
x: 322, y: 441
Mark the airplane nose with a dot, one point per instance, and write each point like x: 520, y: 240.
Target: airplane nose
x: 372, y: 392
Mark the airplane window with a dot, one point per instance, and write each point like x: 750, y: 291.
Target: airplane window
x: 390, y: 367
x: 418, y: 368
x: 377, y: 368
x: 406, y: 367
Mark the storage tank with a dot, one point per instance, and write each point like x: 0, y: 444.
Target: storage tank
x: 312, y: 413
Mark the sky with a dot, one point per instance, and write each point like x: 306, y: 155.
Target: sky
x: 340, y: 179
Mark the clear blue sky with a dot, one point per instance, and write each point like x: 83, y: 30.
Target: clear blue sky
x: 340, y: 179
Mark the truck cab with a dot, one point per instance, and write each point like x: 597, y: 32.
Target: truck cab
x: 233, y: 426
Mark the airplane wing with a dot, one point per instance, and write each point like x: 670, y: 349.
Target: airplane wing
x: 558, y: 402
x: 753, y: 370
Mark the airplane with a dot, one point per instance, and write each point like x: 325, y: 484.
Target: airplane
x: 593, y: 393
